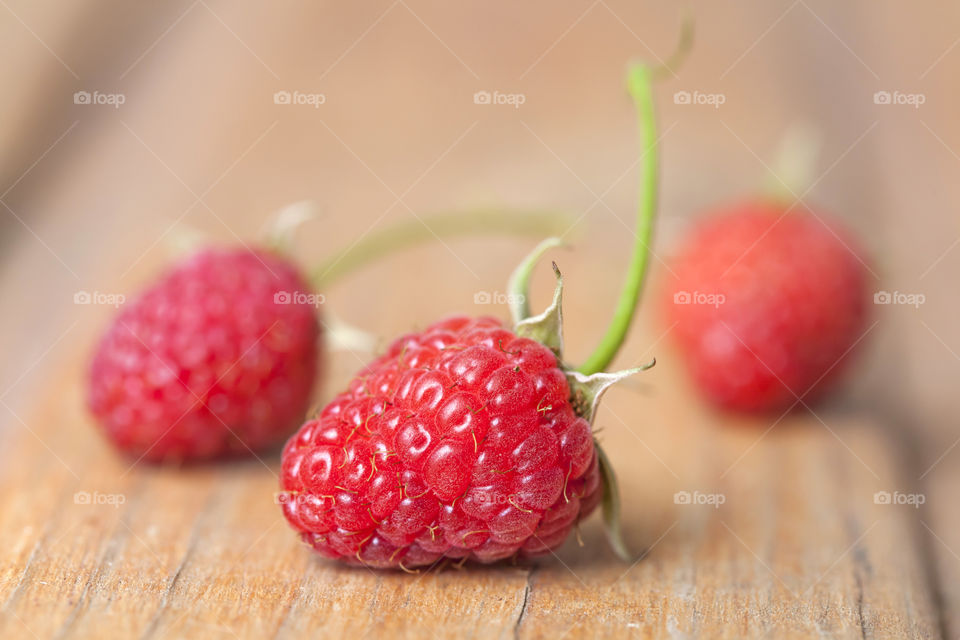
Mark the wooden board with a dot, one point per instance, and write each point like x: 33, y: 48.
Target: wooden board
x: 940, y: 523
x: 779, y: 535
x: 91, y: 196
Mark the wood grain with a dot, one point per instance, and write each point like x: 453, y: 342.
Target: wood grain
x: 798, y: 548
x: 940, y: 523
x: 793, y: 545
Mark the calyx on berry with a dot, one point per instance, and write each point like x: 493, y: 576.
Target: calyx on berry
x: 585, y: 390
x: 589, y: 381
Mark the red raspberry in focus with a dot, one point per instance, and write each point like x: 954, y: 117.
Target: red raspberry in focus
x: 767, y: 306
x: 216, y: 358
x: 459, y: 442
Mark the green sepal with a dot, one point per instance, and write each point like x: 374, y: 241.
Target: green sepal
x: 610, y: 506
x: 341, y: 336
x: 283, y: 225
x: 586, y: 391
x: 518, y: 286
x: 547, y: 328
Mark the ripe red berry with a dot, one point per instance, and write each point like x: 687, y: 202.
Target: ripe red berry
x: 459, y: 442
x: 216, y: 358
x: 767, y: 305
x: 469, y: 440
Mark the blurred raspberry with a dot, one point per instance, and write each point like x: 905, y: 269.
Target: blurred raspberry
x: 217, y: 358
x: 768, y: 305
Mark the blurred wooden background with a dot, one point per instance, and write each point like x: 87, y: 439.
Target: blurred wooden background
x: 93, y: 197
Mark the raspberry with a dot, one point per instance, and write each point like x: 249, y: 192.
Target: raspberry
x: 459, y: 442
x: 767, y: 306
x: 214, y: 359
x: 469, y: 440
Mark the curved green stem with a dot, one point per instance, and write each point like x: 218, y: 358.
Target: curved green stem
x: 684, y: 45
x: 639, y: 84
x: 391, y: 239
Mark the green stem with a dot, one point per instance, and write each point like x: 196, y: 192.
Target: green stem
x: 391, y: 239
x: 639, y: 84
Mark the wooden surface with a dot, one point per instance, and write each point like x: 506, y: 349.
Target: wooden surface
x: 793, y: 545
x: 93, y: 198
